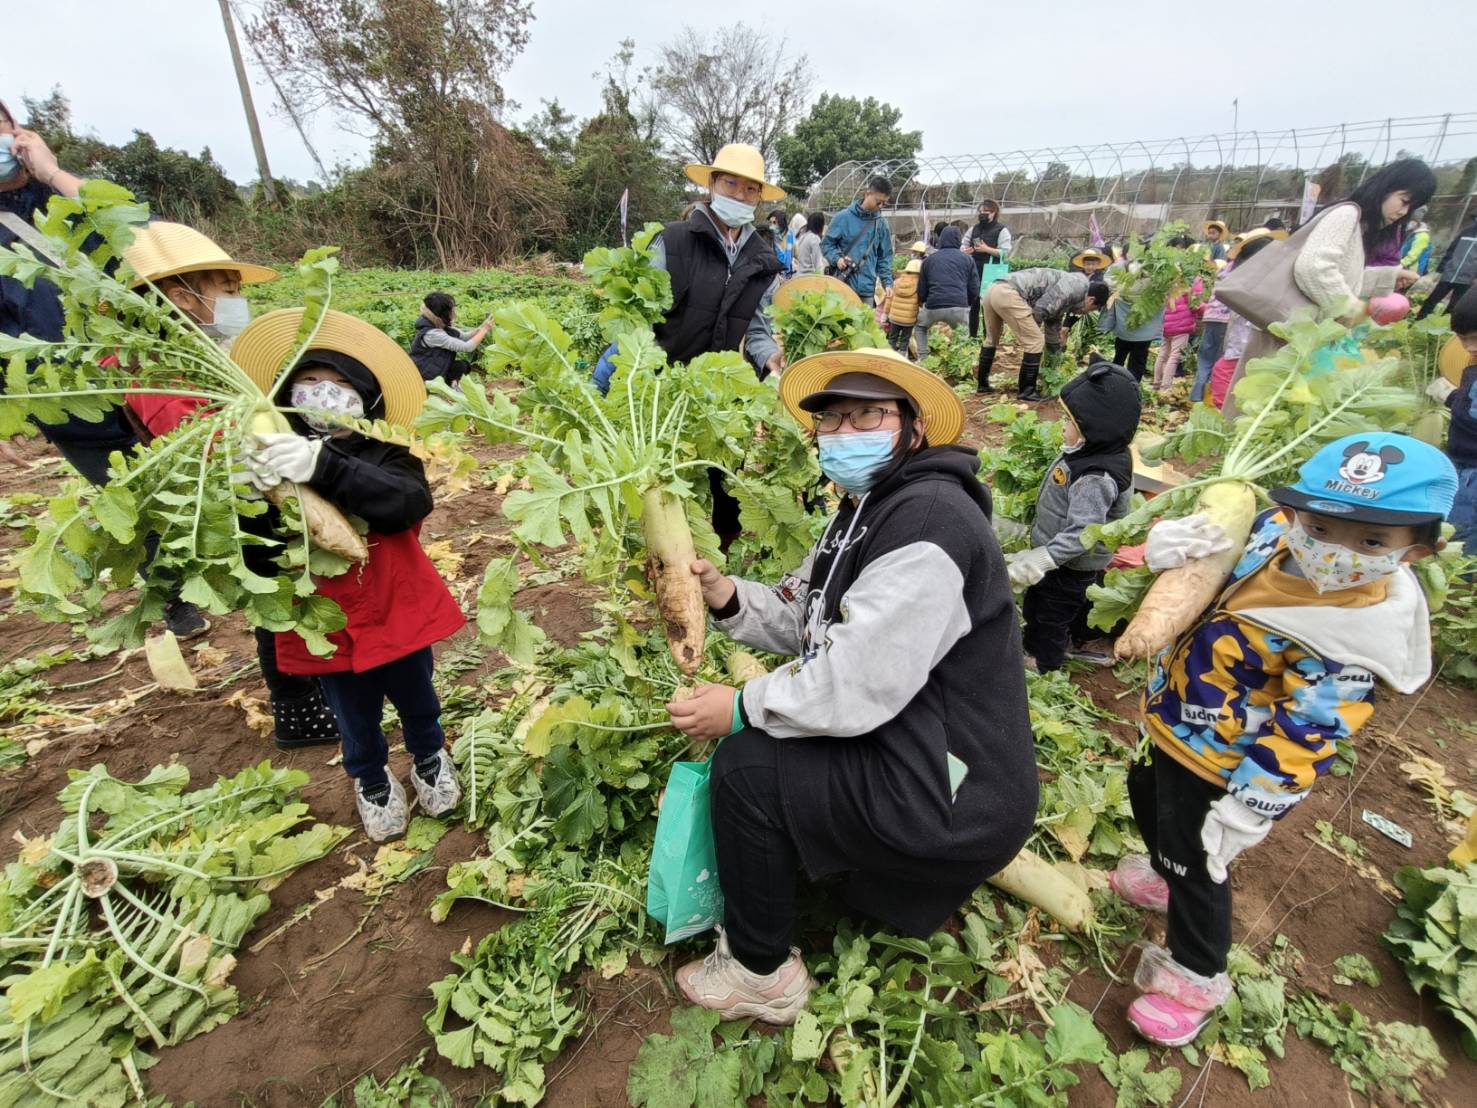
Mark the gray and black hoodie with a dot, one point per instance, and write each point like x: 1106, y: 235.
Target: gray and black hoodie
x: 906, y: 649
x: 1093, y: 484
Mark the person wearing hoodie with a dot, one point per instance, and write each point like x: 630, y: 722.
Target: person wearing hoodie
x: 1249, y: 708
x: 948, y: 288
x: 902, y: 306
x: 859, y: 243
x: 878, y: 753
x: 1033, y: 302
x: 1091, y: 482
x: 437, y: 343
x: 1180, y: 321
x: 395, y: 603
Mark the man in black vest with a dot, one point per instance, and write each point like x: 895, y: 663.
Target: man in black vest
x: 723, y: 276
x: 987, y: 241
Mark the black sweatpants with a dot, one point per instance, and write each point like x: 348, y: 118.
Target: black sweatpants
x: 757, y: 858
x: 1132, y: 356
x: 1055, y: 612
x: 898, y: 335
x: 1169, y: 805
x: 1442, y: 291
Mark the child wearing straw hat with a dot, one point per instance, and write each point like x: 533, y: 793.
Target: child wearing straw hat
x: 395, y: 604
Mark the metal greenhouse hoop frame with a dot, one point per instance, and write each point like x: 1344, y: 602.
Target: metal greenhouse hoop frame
x: 1051, y: 195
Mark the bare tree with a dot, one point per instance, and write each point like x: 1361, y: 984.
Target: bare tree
x: 736, y: 85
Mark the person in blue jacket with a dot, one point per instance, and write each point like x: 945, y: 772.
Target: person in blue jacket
x: 859, y: 243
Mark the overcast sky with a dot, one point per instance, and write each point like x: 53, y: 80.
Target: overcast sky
x: 973, y: 80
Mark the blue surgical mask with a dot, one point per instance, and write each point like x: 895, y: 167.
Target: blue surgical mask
x: 735, y: 213
x: 853, y: 461
x: 232, y: 314
x: 10, y: 165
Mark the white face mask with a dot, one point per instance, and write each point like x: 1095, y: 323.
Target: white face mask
x: 734, y: 213
x: 232, y: 314
x: 1333, y: 567
x: 329, y: 398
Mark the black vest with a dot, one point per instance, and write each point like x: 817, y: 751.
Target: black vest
x: 989, y: 234
x: 712, y: 305
x: 432, y: 361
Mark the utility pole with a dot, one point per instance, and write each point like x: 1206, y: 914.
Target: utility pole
x: 268, y: 186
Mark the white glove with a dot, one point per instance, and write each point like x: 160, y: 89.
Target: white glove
x: 1230, y: 827
x: 1172, y: 542
x: 288, y: 457
x: 1439, y: 389
x: 1028, y: 567
x: 1008, y: 530
x: 254, y: 473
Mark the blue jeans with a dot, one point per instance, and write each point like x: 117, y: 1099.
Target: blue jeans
x: 1463, y: 515
x: 1212, y: 342
x: 358, y: 703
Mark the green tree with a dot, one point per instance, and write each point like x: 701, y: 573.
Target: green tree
x: 840, y: 129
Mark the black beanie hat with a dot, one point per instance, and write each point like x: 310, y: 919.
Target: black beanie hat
x: 1104, y: 402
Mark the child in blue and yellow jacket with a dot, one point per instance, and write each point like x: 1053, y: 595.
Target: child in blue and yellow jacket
x: 1247, y: 709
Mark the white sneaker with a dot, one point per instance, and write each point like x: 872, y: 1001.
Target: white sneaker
x: 721, y: 983
x: 443, y: 792
x: 387, y: 820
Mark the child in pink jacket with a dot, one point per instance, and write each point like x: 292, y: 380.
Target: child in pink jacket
x: 1180, y: 321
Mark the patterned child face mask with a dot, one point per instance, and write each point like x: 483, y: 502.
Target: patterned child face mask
x: 1333, y: 567
x: 329, y: 398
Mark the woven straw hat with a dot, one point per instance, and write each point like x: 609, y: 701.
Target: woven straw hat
x: 931, y: 395
x: 162, y: 249
x: 1453, y: 360
x: 813, y: 282
x: 741, y: 160
x: 267, y: 342
x: 1219, y: 224
x: 1095, y: 254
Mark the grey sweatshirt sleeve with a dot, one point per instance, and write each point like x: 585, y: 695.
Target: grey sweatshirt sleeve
x: 759, y: 343
x: 1089, y: 500
x: 899, y: 618
x: 435, y: 336
x: 770, y: 617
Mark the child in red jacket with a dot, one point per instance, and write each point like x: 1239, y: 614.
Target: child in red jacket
x: 396, y: 604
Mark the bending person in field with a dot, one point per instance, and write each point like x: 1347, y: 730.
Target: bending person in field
x: 1034, y: 303
x: 878, y: 753
x: 437, y: 343
x: 1248, y: 709
x: 396, y: 604
x: 203, y: 283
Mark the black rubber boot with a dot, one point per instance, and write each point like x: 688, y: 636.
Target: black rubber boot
x: 305, y: 720
x: 1026, y: 385
x: 987, y: 360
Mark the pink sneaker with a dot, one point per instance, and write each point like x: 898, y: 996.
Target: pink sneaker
x: 1176, y: 1002
x: 1136, y: 882
x: 722, y: 983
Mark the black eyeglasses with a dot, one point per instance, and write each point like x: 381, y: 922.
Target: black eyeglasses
x: 863, y: 419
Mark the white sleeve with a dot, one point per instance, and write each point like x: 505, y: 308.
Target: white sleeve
x: 437, y: 337
x: 1319, y: 266
x: 1003, y: 242
x: 770, y: 617
x: 1378, y: 280
x: 899, y: 618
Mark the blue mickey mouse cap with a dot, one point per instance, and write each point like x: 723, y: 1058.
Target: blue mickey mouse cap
x: 1378, y: 477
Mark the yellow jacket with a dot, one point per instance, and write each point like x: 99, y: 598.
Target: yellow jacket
x: 903, y: 307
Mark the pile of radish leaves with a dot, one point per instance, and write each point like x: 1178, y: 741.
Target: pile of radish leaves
x: 170, y: 517
x: 1158, y: 274
x: 117, y: 931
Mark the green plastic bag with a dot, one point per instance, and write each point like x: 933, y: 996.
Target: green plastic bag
x: 993, y: 271
x: 682, y: 890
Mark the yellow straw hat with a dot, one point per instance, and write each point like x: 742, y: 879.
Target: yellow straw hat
x: 813, y: 282
x: 162, y: 249
x: 919, y: 247
x: 1452, y: 360
x: 942, y: 413
x: 268, y: 341
x: 741, y: 160
x: 1248, y: 236
x: 915, y: 266
x: 1093, y: 253
x: 1220, y: 224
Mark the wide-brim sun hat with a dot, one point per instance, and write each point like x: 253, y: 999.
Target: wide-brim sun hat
x: 1217, y: 223
x: 813, y: 282
x: 1093, y: 253
x: 919, y: 247
x: 1248, y: 236
x: 262, y: 348
x: 915, y: 266
x: 1453, y: 360
x: 740, y: 160
x: 161, y: 249
x: 931, y: 395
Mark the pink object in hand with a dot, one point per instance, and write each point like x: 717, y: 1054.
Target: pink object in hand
x: 1388, y: 309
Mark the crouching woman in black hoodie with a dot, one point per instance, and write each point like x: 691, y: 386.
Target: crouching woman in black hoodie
x: 895, y: 748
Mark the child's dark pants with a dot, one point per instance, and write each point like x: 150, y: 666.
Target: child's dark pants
x: 358, y: 703
x: 1169, y: 805
x: 1054, y: 610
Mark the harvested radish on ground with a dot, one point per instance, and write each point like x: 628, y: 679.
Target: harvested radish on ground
x: 1038, y: 882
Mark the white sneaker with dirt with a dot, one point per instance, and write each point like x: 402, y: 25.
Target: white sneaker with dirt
x: 436, y: 786
x: 721, y: 983
x: 384, y: 813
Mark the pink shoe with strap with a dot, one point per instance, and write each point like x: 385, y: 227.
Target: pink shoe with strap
x: 1136, y: 882
x: 1176, y: 1003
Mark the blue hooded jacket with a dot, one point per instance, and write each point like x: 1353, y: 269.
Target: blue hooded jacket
x: 867, y: 238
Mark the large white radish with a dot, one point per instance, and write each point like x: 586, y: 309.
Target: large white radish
x: 679, y: 595
x: 1038, y: 882
x: 1178, y: 596
x: 326, y: 525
